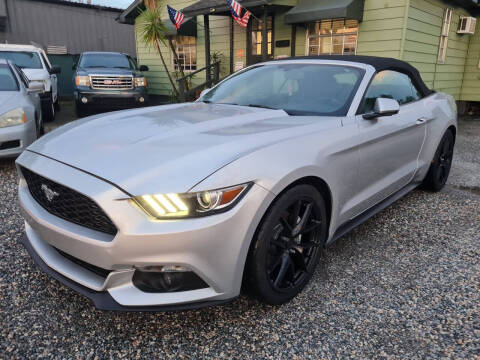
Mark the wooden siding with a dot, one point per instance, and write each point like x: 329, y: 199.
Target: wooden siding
x: 471, y: 81
x: 381, y: 32
x: 422, y: 39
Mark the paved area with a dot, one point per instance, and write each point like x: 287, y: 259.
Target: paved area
x: 404, y: 285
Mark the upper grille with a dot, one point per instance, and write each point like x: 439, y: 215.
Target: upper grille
x: 67, y: 203
x: 111, y: 82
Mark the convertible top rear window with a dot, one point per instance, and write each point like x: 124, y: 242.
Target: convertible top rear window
x: 299, y: 89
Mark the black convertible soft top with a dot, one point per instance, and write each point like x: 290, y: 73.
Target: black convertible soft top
x: 380, y: 64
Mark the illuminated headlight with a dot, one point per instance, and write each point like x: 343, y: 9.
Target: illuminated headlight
x: 190, y: 205
x: 12, y: 118
x: 140, y: 81
x: 82, y: 80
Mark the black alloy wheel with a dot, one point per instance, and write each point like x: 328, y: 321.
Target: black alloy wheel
x: 442, y: 163
x: 288, y: 245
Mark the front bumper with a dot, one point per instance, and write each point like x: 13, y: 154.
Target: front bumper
x: 214, y: 248
x: 104, y: 98
x: 15, y: 139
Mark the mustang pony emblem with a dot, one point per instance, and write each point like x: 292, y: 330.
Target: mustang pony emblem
x: 49, y: 193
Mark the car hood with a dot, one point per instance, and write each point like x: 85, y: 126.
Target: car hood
x: 167, y: 148
x: 36, y: 74
x: 107, y: 71
x: 9, y: 100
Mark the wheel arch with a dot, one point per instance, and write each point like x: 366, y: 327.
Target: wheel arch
x: 318, y: 183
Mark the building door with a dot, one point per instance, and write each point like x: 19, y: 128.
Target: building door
x: 255, y: 40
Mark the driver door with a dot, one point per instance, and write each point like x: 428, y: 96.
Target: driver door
x: 390, y: 145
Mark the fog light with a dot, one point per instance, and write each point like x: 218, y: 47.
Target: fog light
x: 170, y: 278
x: 141, y: 99
x: 84, y: 100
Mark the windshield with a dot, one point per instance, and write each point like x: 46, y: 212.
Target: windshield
x: 7, y: 79
x: 23, y: 59
x: 299, y: 89
x: 107, y: 61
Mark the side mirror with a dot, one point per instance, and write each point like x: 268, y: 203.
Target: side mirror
x: 55, y: 69
x: 383, y: 107
x: 74, y: 67
x: 35, y: 87
x: 143, y: 68
x: 204, y: 92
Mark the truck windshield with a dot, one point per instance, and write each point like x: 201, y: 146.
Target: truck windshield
x: 106, y: 61
x: 23, y: 59
x: 7, y: 79
x: 298, y: 89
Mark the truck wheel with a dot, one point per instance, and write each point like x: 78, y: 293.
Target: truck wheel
x: 80, y: 110
x: 57, y: 104
x: 48, y: 110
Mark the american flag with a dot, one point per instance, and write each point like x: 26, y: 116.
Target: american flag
x: 176, y: 16
x: 236, y: 10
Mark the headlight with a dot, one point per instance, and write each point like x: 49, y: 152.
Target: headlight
x: 140, y: 81
x: 12, y: 118
x: 82, y: 80
x: 190, y: 205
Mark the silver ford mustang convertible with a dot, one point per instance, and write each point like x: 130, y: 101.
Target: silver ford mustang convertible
x: 178, y: 206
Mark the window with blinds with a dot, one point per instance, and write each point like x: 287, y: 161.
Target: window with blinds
x: 332, y: 37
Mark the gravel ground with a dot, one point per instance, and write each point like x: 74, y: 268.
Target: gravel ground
x: 404, y: 285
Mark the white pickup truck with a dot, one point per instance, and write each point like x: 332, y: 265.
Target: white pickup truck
x: 36, y: 66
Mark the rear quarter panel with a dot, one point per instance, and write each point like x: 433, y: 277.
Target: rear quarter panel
x: 444, y: 115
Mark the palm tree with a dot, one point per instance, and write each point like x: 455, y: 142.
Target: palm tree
x: 153, y: 32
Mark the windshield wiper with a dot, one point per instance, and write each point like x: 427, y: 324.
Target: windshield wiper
x: 205, y: 101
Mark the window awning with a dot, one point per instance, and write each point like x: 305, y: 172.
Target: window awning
x: 188, y: 28
x: 313, y: 10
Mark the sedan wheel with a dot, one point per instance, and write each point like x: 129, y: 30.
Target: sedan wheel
x: 288, y: 245
x: 442, y: 162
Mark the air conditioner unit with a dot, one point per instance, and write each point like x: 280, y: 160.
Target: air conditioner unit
x: 467, y: 25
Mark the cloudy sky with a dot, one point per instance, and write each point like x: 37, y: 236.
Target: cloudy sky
x: 122, y: 4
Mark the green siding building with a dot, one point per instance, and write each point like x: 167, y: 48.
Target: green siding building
x: 438, y: 37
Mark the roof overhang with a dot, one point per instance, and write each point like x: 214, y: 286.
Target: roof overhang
x: 128, y: 16
x: 219, y: 7
x: 313, y: 10
x: 471, y: 6
x: 188, y: 28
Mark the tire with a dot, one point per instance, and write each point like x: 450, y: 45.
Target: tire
x: 439, y: 171
x: 48, y: 110
x: 57, y: 104
x: 80, y: 110
x: 280, y: 263
x: 40, y: 129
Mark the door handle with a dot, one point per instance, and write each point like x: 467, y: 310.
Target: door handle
x: 424, y: 120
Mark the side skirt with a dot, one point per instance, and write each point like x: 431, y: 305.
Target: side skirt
x: 374, y: 210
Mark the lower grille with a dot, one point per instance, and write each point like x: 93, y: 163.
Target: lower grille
x: 68, y: 204
x: 95, y: 269
x: 10, y: 145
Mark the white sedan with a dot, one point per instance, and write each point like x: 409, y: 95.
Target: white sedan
x: 20, y: 110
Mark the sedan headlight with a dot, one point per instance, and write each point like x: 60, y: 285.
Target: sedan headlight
x: 140, y: 81
x: 12, y: 118
x: 82, y: 80
x: 190, y: 205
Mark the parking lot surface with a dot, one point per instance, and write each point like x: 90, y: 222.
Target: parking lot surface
x: 406, y: 284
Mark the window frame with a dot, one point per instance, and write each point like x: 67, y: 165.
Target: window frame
x: 172, y: 56
x: 361, y: 105
x: 331, y: 36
